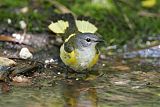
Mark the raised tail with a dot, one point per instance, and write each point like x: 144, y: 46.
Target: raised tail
x: 63, y: 24
x: 66, y: 24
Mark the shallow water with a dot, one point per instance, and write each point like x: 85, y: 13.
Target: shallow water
x: 123, y: 83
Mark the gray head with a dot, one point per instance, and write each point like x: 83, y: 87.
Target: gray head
x: 87, y: 40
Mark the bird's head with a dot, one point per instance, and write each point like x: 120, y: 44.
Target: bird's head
x: 84, y: 40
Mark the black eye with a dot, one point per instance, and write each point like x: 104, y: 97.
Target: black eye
x: 88, y: 39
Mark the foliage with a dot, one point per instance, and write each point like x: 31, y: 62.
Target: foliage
x: 119, y: 21
x: 122, y: 22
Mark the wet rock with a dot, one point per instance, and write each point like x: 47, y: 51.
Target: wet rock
x: 21, y: 79
x: 6, y: 62
x: 5, y: 66
x: 145, y: 53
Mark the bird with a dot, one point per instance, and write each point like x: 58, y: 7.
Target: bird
x: 79, y: 50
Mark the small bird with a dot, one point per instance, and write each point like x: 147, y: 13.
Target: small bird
x: 79, y: 50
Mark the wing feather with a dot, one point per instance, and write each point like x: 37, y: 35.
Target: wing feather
x: 85, y: 26
x: 59, y: 26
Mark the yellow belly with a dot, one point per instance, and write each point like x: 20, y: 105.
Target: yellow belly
x: 78, y: 60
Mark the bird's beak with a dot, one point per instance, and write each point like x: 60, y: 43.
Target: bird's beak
x: 99, y: 40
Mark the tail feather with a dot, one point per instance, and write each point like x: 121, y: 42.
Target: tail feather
x: 59, y: 26
x: 85, y: 26
x: 66, y: 25
x: 63, y: 23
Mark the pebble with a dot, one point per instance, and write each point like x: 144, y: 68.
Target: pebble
x: 9, y: 21
x: 59, y: 40
x: 25, y: 54
x: 46, y: 61
x: 103, y: 65
x: 22, y: 24
x: 24, y: 9
x: 102, y: 56
x: 21, y: 79
x: 17, y: 36
x: 51, y: 60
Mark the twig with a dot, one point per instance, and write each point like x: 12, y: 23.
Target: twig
x: 7, y: 38
x: 149, y: 14
x: 60, y: 7
x: 126, y: 19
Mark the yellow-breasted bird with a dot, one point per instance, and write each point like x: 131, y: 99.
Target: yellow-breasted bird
x: 79, y: 50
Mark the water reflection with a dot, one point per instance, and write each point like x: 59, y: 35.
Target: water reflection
x: 123, y: 84
x: 4, y: 87
x: 79, y: 94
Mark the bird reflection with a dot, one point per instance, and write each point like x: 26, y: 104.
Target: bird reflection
x: 79, y: 94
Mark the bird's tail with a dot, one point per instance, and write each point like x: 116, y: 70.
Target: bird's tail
x: 61, y: 22
x: 67, y: 24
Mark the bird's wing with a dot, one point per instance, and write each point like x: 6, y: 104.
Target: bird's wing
x: 69, y: 44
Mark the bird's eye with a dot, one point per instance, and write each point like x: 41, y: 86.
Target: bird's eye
x: 88, y: 39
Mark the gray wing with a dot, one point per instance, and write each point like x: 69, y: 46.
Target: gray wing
x: 69, y: 45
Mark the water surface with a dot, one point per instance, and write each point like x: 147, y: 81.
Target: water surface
x: 120, y: 83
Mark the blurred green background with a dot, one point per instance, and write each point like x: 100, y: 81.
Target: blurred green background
x: 120, y: 22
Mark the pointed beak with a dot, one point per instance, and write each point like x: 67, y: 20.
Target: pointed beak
x: 99, y: 40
